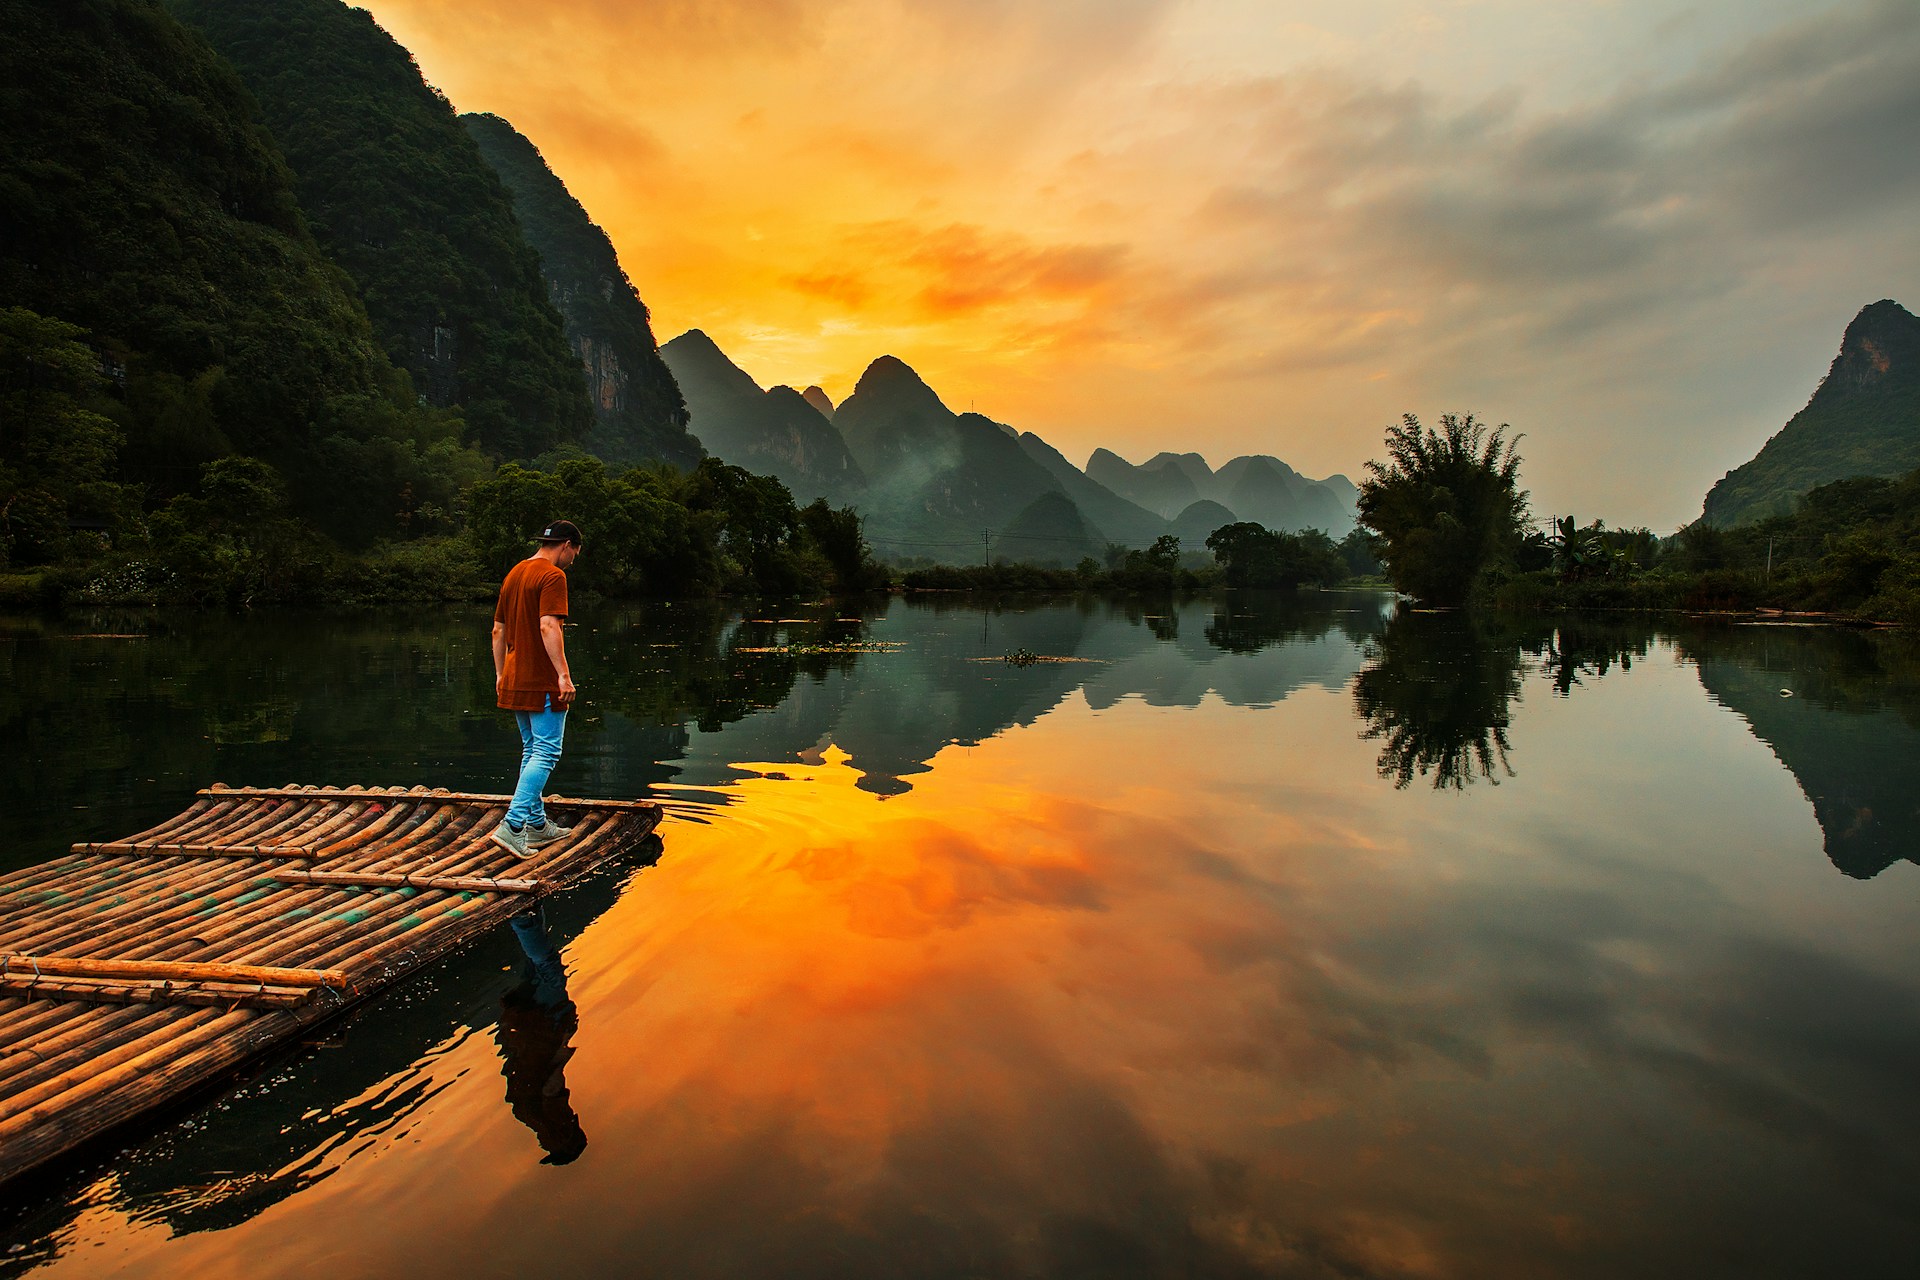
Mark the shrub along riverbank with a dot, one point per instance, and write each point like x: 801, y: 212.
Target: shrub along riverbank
x: 1851, y: 549
x: 237, y: 542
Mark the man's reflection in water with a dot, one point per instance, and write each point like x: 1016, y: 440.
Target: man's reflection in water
x: 537, y: 1022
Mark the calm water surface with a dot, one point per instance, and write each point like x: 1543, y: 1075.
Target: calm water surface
x: 1237, y: 938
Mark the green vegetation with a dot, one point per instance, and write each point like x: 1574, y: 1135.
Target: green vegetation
x: 399, y: 195
x: 1445, y: 506
x: 659, y: 531
x: 1851, y: 548
x: 1252, y: 556
x: 145, y: 209
x: 57, y: 453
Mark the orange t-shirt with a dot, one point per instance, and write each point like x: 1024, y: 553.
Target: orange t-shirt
x: 533, y: 588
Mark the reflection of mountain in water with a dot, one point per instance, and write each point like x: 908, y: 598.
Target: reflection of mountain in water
x: 1849, y: 731
x: 948, y: 682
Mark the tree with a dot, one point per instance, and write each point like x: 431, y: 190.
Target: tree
x: 56, y: 454
x: 839, y: 538
x: 1444, y: 504
x: 1255, y: 556
x: 1357, y: 553
x: 1577, y: 552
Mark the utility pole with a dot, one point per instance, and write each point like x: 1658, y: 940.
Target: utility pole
x: 986, y: 540
x: 1769, y: 558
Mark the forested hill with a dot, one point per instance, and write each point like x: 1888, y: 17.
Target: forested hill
x: 1864, y: 420
x: 638, y: 411
x: 399, y: 195
x: 145, y: 211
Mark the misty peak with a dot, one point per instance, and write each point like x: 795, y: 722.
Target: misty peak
x: 695, y: 358
x: 820, y: 400
x: 892, y: 381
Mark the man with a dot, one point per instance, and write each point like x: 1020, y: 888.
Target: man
x: 531, y: 679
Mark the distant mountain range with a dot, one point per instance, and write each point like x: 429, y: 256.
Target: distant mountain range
x: 778, y: 433
x: 1863, y: 420
x: 944, y: 485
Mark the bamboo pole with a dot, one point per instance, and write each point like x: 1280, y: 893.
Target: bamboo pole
x: 148, y: 917
x: 390, y: 938
x: 315, y: 793
x: 199, y: 850
x: 78, y: 884
x: 399, y: 820
x: 18, y: 966
x: 153, y: 991
x: 37, y: 1018
x: 82, y: 1030
x: 43, y: 1069
x: 434, y: 829
x: 407, y: 880
x: 99, y: 1102
x: 283, y: 822
x: 83, y: 1064
x: 123, y: 1065
x: 191, y: 813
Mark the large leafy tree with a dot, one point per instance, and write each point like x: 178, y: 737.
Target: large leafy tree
x: 1444, y: 505
x: 1254, y: 556
x: 56, y: 453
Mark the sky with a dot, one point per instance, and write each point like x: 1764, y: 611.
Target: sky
x: 1635, y: 230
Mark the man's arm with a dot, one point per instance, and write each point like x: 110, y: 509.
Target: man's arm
x: 499, y: 656
x: 552, y: 636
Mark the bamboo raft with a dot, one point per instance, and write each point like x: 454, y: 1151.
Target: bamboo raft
x: 135, y: 971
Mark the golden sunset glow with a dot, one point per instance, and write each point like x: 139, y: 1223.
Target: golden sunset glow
x: 1236, y: 226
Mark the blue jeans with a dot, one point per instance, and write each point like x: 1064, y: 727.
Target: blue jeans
x: 541, y: 733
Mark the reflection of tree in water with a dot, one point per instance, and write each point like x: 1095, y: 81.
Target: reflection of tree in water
x: 1159, y: 616
x: 1581, y: 647
x: 699, y: 666
x: 1248, y: 621
x: 1436, y: 690
x: 535, y: 1035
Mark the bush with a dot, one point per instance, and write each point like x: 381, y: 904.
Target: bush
x: 429, y: 569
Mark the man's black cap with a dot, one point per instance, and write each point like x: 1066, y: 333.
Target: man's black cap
x: 559, y: 531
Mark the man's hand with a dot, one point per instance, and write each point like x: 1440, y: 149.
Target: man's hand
x: 499, y: 642
x: 554, y: 638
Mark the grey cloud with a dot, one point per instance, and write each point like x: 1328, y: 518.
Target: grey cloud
x: 1594, y: 217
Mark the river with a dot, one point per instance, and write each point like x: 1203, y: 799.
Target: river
x: 1247, y: 936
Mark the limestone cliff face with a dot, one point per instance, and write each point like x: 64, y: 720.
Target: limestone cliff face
x: 639, y: 413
